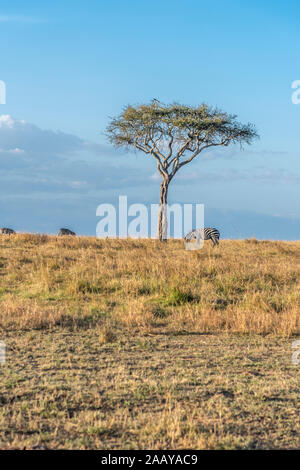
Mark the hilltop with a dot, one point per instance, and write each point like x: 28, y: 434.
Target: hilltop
x: 244, y: 286
x: 136, y: 344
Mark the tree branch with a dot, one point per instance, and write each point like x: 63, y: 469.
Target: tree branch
x: 224, y: 142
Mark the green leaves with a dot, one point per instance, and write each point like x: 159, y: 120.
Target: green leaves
x: 175, y: 134
x: 158, y: 120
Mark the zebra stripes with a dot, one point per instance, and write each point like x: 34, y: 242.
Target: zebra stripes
x: 65, y: 231
x: 6, y: 231
x: 204, y: 234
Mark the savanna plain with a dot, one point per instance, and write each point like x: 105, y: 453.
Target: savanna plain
x: 136, y: 344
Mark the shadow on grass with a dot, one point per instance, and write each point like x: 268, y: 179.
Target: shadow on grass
x: 181, y: 333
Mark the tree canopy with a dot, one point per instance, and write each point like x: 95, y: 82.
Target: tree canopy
x: 175, y: 134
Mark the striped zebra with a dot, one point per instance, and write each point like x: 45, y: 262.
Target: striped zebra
x: 65, y: 231
x: 6, y: 231
x: 209, y: 234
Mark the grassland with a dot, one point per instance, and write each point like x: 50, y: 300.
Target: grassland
x: 124, y: 344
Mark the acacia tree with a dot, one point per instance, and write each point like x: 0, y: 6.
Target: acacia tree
x: 175, y: 135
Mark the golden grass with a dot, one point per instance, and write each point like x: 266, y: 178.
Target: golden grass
x: 242, y: 286
x: 62, y: 389
x: 133, y: 344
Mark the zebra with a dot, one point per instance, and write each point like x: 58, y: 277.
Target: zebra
x: 6, y: 231
x: 209, y: 234
x: 65, y: 231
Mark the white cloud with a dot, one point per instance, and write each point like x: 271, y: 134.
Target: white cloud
x: 6, y: 121
x: 78, y: 184
x: 50, y: 178
x: 34, y: 160
x: 155, y: 177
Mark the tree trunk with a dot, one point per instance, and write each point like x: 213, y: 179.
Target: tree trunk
x: 162, y: 215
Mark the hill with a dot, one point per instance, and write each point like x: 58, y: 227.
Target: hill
x: 135, y: 344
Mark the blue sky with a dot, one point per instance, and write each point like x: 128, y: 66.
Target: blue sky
x: 69, y: 66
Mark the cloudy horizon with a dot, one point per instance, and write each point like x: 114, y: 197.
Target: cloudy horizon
x: 51, y: 178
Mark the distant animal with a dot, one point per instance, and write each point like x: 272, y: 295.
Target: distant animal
x: 65, y: 231
x: 6, y: 231
x: 204, y: 234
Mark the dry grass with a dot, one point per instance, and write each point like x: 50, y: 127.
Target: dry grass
x: 134, y: 344
x: 242, y: 286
